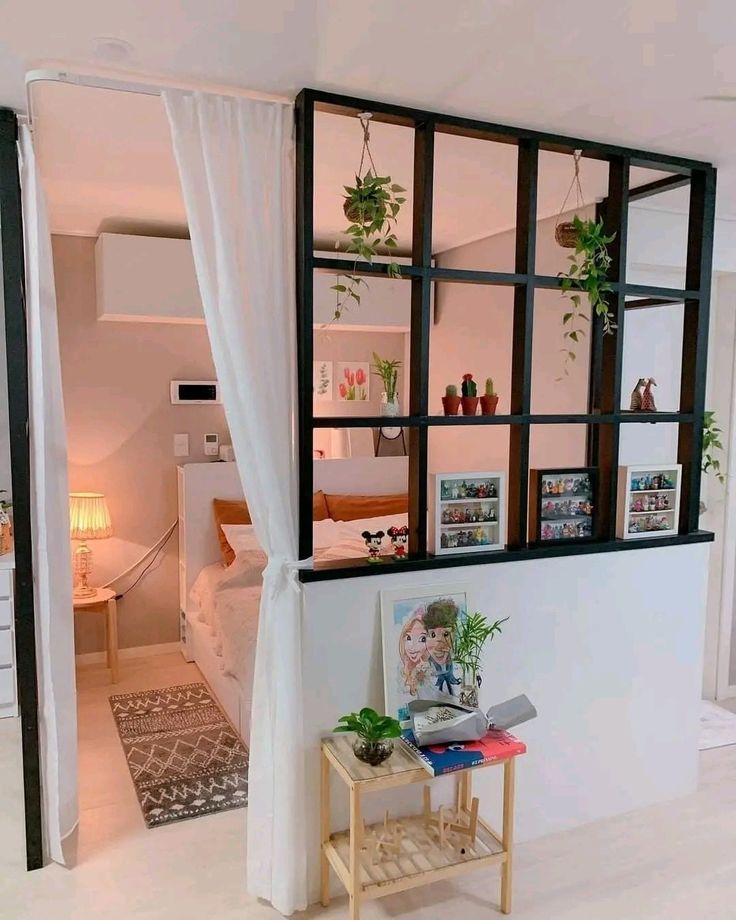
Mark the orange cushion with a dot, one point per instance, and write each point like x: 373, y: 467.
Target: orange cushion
x: 228, y: 511
x: 357, y: 507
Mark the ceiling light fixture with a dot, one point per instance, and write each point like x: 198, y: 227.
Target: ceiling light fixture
x: 112, y: 50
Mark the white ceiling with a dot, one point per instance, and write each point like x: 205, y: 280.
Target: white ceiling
x: 632, y: 73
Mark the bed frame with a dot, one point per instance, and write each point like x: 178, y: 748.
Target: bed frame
x: 198, y: 484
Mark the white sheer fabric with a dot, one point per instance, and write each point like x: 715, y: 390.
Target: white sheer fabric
x: 50, y: 524
x: 236, y: 164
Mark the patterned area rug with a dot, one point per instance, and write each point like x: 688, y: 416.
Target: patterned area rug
x: 184, y: 756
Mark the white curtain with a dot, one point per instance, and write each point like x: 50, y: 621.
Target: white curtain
x: 50, y: 525
x: 236, y: 164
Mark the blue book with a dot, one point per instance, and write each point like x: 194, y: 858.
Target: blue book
x: 439, y: 759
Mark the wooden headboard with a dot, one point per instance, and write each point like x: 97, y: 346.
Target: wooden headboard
x: 199, y: 483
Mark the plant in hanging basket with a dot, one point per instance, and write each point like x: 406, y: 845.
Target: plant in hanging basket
x: 372, y: 206
x: 586, y: 276
x: 566, y: 234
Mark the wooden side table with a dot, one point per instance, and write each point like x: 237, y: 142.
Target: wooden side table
x: 103, y: 601
x: 401, y: 853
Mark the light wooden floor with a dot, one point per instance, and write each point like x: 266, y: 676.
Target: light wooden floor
x: 675, y: 861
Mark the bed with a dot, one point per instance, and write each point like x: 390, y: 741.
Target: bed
x: 219, y: 604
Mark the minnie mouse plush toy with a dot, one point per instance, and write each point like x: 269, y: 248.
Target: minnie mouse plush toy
x: 399, y: 539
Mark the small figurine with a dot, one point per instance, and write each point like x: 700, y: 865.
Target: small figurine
x: 399, y: 539
x: 373, y: 542
x: 647, y: 397
x: 636, y: 395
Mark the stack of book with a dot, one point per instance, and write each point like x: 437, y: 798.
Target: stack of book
x: 439, y: 759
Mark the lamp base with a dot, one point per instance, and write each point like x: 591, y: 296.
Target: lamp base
x: 84, y: 591
x: 82, y: 571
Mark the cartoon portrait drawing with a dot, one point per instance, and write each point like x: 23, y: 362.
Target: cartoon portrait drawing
x: 420, y: 627
x: 440, y: 621
x: 413, y: 652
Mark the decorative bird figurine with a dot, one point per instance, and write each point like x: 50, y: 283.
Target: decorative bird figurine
x: 647, y: 397
x: 636, y: 395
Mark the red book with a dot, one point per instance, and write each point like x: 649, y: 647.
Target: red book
x: 461, y: 755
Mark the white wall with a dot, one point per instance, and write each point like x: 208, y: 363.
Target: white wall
x: 613, y: 666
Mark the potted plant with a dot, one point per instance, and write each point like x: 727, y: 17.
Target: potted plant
x: 451, y: 401
x: 374, y: 743
x: 586, y: 276
x: 388, y: 371
x: 489, y: 400
x: 471, y: 635
x: 711, y: 441
x: 6, y: 527
x: 372, y: 206
x: 470, y: 395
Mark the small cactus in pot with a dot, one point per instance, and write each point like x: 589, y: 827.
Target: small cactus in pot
x: 451, y: 401
x: 489, y: 400
x: 470, y: 395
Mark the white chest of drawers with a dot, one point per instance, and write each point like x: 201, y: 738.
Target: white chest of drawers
x: 8, y: 685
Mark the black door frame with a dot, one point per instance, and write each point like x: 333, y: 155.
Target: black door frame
x: 16, y: 348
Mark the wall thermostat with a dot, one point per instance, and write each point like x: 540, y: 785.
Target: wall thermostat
x: 195, y: 392
x: 211, y: 445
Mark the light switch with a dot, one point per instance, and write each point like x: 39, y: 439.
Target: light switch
x: 181, y: 445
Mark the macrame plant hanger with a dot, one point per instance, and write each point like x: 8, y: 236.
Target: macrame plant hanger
x: 565, y: 232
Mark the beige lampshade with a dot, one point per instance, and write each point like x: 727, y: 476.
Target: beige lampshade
x: 89, y: 517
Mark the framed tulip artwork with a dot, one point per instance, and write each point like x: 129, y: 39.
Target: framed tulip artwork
x: 353, y: 381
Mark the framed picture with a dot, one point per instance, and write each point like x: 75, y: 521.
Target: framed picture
x: 648, y: 501
x: 469, y: 512
x: 353, y: 381
x: 418, y: 628
x: 562, y: 505
x: 322, y: 381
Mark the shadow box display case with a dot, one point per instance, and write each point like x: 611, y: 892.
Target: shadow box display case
x: 469, y: 512
x: 562, y: 505
x: 649, y: 501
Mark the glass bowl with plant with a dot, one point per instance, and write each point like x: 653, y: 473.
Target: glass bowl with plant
x: 375, y: 733
x: 471, y: 635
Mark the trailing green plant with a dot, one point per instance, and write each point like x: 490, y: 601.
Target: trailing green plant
x: 372, y: 206
x: 489, y: 387
x: 451, y: 390
x: 711, y: 441
x: 471, y: 635
x: 369, y: 725
x: 469, y: 386
x: 586, y: 276
x: 388, y: 371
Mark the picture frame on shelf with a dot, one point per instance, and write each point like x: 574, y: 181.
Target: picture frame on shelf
x: 563, y: 505
x: 418, y: 630
x: 469, y: 512
x: 648, y: 500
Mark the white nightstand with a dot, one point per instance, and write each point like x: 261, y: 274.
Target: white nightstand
x: 104, y: 602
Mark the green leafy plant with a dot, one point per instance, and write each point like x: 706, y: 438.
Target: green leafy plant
x: 388, y: 371
x: 469, y: 386
x: 489, y: 387
x: 369, y: 725
x: 471, y: 635
x: 451, y: 390
x: 586, y: 276
x: 711, y: 441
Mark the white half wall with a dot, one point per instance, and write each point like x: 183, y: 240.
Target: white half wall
x: 608, y: 646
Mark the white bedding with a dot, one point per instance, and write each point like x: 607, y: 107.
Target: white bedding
x: 228, y: 598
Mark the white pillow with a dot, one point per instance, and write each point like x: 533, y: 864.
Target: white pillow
x: 354, y: 529
x: 241, y: 537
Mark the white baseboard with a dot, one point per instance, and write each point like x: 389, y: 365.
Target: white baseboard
x: 140, y: 651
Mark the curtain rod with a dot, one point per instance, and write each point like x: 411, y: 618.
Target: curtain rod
x: 130, y: 84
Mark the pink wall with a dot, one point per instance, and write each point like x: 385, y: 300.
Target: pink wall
x: 472, y: 333
x: 120, y: 426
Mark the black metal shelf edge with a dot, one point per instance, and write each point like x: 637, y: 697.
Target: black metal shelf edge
x: 441, y: 421
x: 359, y: 568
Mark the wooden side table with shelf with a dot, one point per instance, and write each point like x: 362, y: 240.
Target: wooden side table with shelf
x: 103, y: 601
x: 406, y: 852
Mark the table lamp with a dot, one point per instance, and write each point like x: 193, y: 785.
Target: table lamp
x: 89, y: 519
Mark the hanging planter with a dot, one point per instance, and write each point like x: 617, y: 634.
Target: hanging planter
x: 588, y: 272
x: 372, y: 206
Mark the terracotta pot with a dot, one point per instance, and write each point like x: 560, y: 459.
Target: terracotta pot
x: 488, y: 404
x: 470, y: 405
x: 451, y: 404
